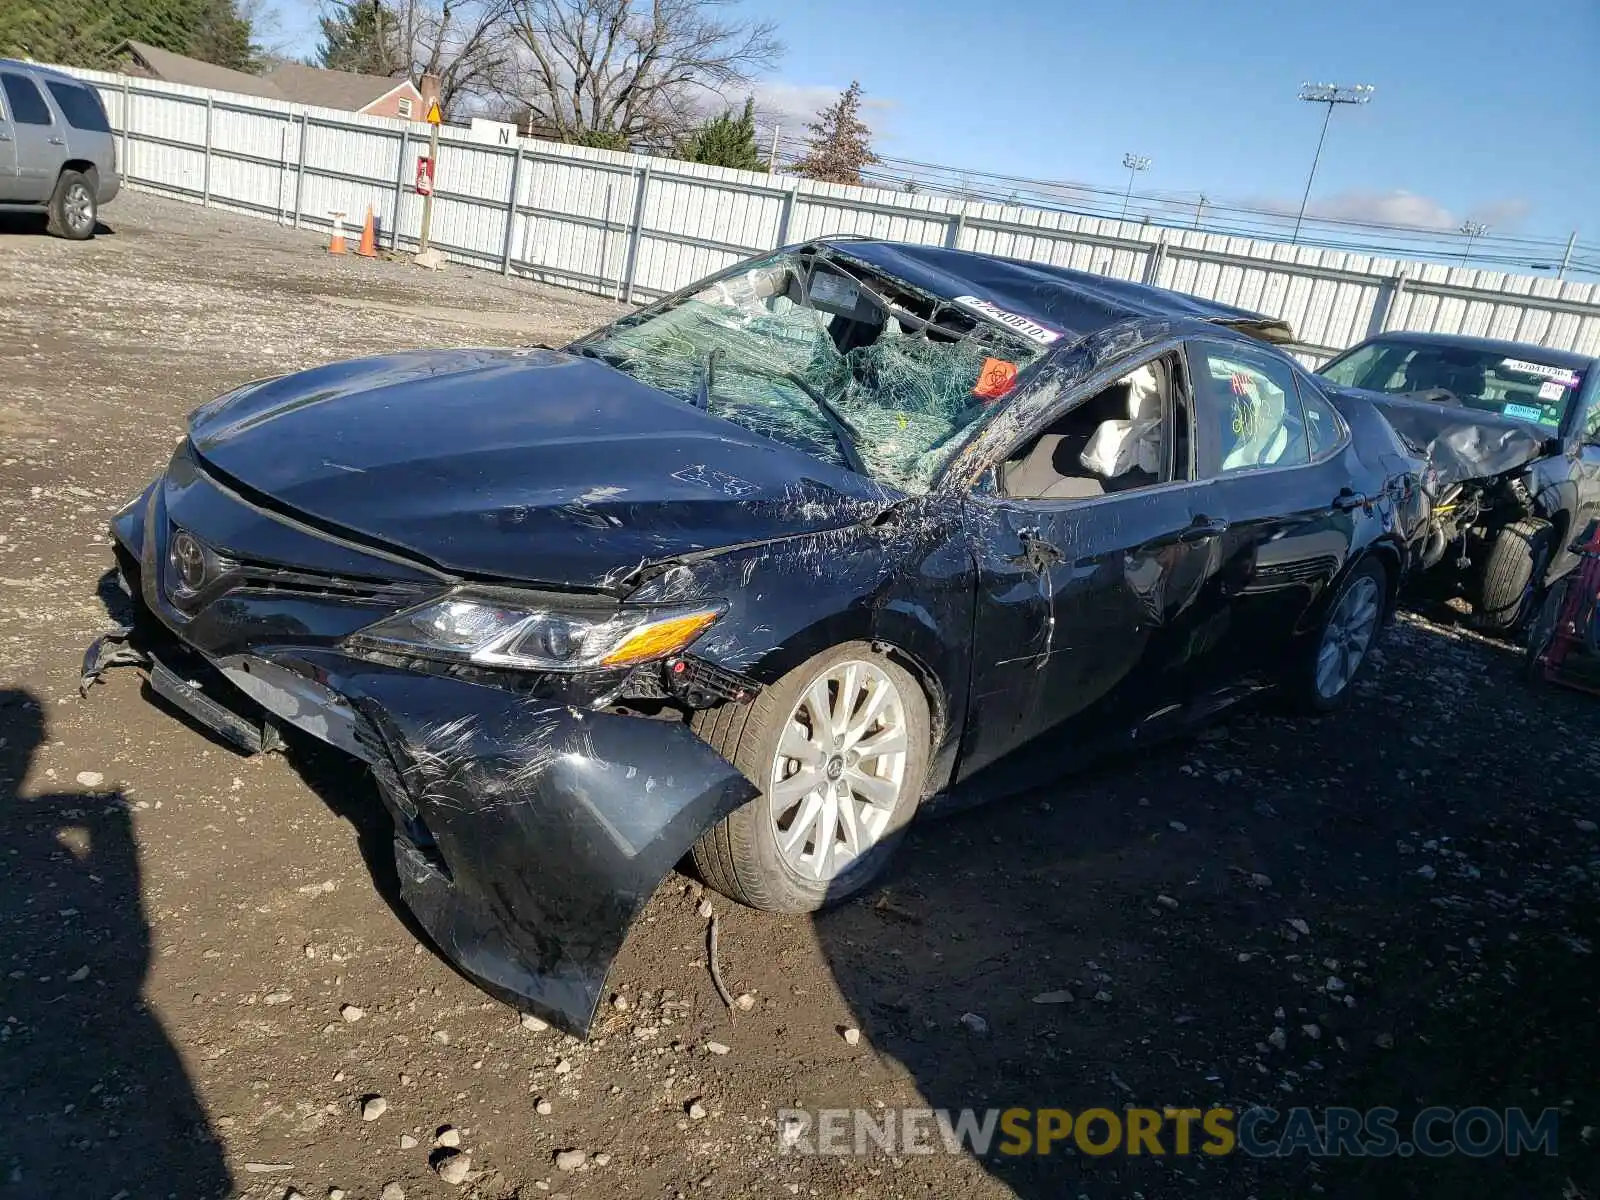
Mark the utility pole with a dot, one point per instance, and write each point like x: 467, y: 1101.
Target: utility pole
x: 1330, y: 94
x: 1198, y: 209
x: 1135, y: 163
x: 427, y: 256
x: 772, y: 159
x: 1474, y: 230
x: 1566, y: 259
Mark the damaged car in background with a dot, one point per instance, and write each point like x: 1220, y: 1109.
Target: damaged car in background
x: 754, y: 575
x: 1513, y: 435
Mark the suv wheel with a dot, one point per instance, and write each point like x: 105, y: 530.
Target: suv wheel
x: 73, y: 211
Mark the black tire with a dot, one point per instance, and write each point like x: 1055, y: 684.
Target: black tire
x: 739, y: 857
x: 73, y: 210
x: 1542, y: 628
x: 1513, y: 576
x: 1302, y: 688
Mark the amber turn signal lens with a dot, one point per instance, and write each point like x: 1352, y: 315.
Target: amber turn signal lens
x: 658, y: 639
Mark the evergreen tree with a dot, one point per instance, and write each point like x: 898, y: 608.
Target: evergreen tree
x: 223, y: 36
x: 75, y: 32
x: 840, y: 142
x: 359, y: 36
x: 726, y: 141
x: 84, y: 32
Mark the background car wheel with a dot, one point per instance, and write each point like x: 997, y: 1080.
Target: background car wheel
x: 840, y: 748
x: 1542, y: 628
x: 73, y: 210
x: 1339, y: 652
x: 1513, y: 576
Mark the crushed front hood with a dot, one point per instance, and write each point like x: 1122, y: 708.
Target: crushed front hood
x: 519, y: 464
x: 1461, y: 443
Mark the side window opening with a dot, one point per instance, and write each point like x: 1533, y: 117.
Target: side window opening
x: 1255, y: 407
x: 80, y: 106
x: 27, y: 105
x: 1131, y: 434
x: 1324, y: 430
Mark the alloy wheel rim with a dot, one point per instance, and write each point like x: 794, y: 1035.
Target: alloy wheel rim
x: 79, y: 206
x: 838, y: 770
x: 1347, y: 637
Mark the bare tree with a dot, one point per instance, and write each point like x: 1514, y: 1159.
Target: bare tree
x: 466, y: 43
x: 636, y: 72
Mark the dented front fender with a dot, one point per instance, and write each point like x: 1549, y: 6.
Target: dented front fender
x: 530, y: 833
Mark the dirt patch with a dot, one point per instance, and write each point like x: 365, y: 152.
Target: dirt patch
x: 184, y: 934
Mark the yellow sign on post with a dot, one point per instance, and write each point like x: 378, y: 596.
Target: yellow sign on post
x: 435, y: 117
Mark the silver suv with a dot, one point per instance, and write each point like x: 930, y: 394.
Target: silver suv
x: 57, y: 154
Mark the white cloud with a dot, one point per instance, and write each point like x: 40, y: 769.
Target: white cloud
x: 794, y: 105
x: 1400, y: 207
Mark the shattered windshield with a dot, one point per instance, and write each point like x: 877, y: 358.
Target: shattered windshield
x: 1522, y: 388
x: 823, y: 354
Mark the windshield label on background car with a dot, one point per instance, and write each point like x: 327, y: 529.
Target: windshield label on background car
x: 1029, y: 329
x: 1560, y: 374
x: 1523, y: 412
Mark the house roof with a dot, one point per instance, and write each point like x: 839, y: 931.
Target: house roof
x: 179, y: 68
x: 330, y: 89
x: 284, y: 81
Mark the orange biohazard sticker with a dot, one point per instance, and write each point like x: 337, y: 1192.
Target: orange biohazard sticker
x: 995, y: 378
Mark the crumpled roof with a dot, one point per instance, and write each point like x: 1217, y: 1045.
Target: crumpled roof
x: 1073, y: 303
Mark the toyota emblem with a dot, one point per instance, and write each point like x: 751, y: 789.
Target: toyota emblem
x: 189, y: 558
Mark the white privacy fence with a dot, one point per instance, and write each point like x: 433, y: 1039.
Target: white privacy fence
x: 634, y: 228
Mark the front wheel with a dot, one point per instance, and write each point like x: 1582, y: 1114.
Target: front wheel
x: 1339, y: 651
x: 840, y: 748
x: 1513, y: 577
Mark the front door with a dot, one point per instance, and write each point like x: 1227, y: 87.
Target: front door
x: 39, y: 142
x: 1092, y: 615
x: 1094, y: 609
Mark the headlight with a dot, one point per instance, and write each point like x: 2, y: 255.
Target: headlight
x: 496, y: 631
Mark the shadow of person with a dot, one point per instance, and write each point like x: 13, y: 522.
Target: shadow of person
x: 982, y: 912
x: 94, y: 1098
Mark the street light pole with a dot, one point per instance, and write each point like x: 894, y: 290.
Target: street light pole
x: 1473, y: 230
x: 1135, y: 163
x: 1329, y: 94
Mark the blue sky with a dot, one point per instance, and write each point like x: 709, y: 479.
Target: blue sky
x: 1483, y: 110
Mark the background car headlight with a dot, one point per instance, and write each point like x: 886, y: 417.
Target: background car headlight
x: 493, y: 631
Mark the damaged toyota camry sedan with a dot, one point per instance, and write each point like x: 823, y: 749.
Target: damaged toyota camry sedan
x: 755, y: 574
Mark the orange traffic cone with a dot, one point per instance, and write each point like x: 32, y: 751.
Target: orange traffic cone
x: 369, y: 237
x: 336, y: 242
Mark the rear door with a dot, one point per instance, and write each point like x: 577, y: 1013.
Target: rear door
x: 40, y: 142
x: 8, y: 153
x: 1282, y: 469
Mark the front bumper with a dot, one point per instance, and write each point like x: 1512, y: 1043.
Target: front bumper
x: 529, y: 830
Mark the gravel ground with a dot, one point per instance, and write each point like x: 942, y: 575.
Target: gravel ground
x: 208, y: 987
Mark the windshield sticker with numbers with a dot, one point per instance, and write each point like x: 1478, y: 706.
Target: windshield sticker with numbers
x: 1560, y: 374
x: 1028, y: 328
